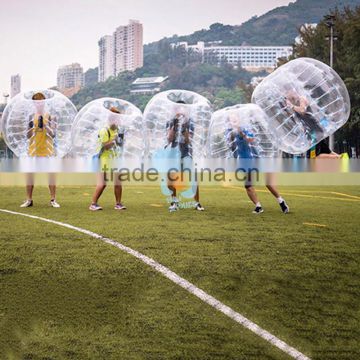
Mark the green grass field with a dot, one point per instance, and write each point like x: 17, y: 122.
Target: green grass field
x: 65, y: 295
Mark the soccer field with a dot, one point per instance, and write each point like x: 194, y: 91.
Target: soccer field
x: 67, y: 295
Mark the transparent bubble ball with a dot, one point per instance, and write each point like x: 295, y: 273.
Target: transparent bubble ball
x: 241, y: 131
x: 38, y: 127
x: 178, y: 119
x: 305, y: 101
x: 96, y: 115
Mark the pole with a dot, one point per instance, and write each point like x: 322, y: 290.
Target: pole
x: 331, y: 137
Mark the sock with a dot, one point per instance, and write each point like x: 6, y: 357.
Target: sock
x: 280, y: 199
x: 258, y: 204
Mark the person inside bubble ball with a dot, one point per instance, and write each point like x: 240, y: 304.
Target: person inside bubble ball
x: 41, y: 133
x: 180, y: 131
x: 111, y: 141
x: 300, y: 107
x: 241, y: 143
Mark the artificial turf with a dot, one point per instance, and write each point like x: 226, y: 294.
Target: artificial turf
x: 65, y: 295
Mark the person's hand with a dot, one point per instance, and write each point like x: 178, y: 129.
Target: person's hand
x: 289, y: 104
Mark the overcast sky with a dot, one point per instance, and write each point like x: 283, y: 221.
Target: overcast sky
x: 36, y: 37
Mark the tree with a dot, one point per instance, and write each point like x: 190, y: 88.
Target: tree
x: 346, y: 63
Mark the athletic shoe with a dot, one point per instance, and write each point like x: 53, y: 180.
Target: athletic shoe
x: 120, y: 206
x: 95, y: 207
x: 173, y: 207
x: 54, y: 204
x: 27, y: 203
x: 199, y: 207
x: 258, y: 210
x: 284, y: 207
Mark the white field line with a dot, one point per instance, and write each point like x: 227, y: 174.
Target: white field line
x: 191, y: 288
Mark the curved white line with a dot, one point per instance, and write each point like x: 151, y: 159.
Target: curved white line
x: 191, y: 288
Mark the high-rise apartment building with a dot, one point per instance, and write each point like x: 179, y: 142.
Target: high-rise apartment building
x: 106, y: 57
x: 122, y: 51
x: 15, y: 85
x: 70, y: 79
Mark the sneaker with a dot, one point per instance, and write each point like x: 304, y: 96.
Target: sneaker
x: 199, y: 207
x: 95, y: 207
x: 27, y: 203
x: 120, y: 206
x: 284, y: 207
x: 173, y: 207
x: 54, y: 204
x: 258, y: 210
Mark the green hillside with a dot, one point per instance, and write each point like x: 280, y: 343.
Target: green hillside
x: 277, y: 27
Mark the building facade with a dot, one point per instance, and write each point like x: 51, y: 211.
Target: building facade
x: 122, y: 51
x: 15, y: 85
x: 70, y: 79
x: 106, y: 57
x: 251, y: 58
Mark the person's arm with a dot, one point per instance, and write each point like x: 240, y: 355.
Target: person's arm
x: 30, y: 130
x: 188, y: 133
x: 171, y: 133
x: 108, y: 145
x: 50, y: 128
x: 247, y: 138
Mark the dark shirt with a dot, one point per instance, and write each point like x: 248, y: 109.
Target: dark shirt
x: 321, y: 148
x: 179, y: 137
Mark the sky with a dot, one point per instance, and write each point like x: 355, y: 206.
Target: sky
x: 36, y: 37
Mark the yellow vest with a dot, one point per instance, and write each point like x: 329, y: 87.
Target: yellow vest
x: 41, y: 143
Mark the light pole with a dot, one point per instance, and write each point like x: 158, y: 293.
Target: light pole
x: 330, y: 23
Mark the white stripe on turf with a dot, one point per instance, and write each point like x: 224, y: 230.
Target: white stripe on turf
x: 191, y: 288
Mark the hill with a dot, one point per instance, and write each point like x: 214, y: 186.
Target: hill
x: 277, y: 27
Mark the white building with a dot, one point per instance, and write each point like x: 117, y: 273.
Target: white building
x: 251, y: 58
x: 15, y: 85
x: 70, y: 78
x: 106, y: 57
x: 122, y: 51
x: 148, y: 85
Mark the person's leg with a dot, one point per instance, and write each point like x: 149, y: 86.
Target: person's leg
x: 29, y: 186
x: 197, y: 194
x: 197, y: 199
x: 174, y: 204
x: 172, y: 188
x: 52, y: 186
x: 118, y: 192
x: 273, y: 191
x: 100, y: 187
x: 29, y: 191
x: 270, y: 184
x: 251, y: 192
